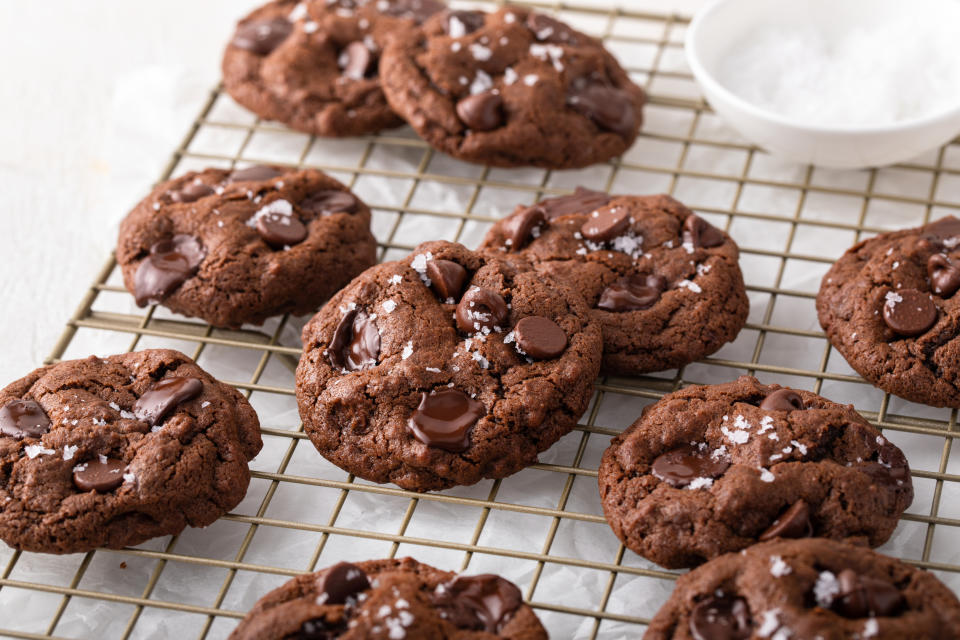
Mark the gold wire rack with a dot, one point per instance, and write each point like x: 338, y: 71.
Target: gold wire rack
x: 543, y: 527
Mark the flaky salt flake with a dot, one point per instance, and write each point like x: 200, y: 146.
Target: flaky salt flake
x: 455, y: 27
x: 455, y: 47
x: 509, y: 76
x: 766, y: 475
x: 802, y: 448
x: 433, y: 370
x: 69, y: 451
x: 531, y: 79
x: 204, y: 404
x: 395, y: 279
x: 871, y: 628
x: 419, y: 264
x: 129, y: 477
x: 482, y: 82
x: 407, y: 350
x: 401, y: 604
x: 127, y: 415
x: 736, y: 436
x: 389, y: 305
x: 34, y: 450
x: 298, y: 12
x: 826, y: 588
x: 769, y: 622
x: 480, y: 52
x: 691, y: 285
x: 766, y: 423
x: 779, y: 567
x: 112, y: 405
x: 700, y: 483
x: 892, y: 298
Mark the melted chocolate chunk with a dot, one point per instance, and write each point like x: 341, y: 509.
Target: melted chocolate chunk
x: 909, y: 312
x: 416, y: 10
x: 280, y: 230
x: 99, y: 476
x: 169, y: 264
x: 462, y: 22
x: 255, y: 173
x: 793, y: 523
x: 446, y: 278
x: 697, y: 232
x: 721, y: 617
x: 262, y: 36
x: 540, y: 338
x: 23, y: 419
x: 862, y: 596
x: 549, y: 29
x: 356, y: 342
x: 445, y: 418
x: 191, y: 192
x: 356, y: 60
x: 163, y: 396
x: 783, y: 400
x: 520, y: 226
x: 609, y: 108
x: 944, y: 275
x: 481, y: 603
x: 580, y: 201
x: 342, y: 581
x: 481, y: 308
x: 605, y: 224
x: 481, y: 111
x: 327, y: 202
x: 681, y: 466
x: 631, y: 293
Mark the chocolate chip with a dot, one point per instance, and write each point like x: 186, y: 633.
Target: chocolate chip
x: 169, y: 264
x: 356, y: 60
x: 909, y: 312
x: 631, y: 293
x: 721, y: 617
x: 605, y: 224
x: 697, y: 232
x: 280, y: 230
x: 479, y: 309
x: 330, y: 201
x: 608, y: 107
x: 23, y: 419
x: 163, y: 396
x: 446, y: 278
x: 254, y: 173
x: 681, y: 466
x: 580, y: 201
x: 340, y: 582
x: 861, y: 596
x: 793, y: 523
x: 463, y: 22
x: 445, y: 418
x: 484, y: 602
x: 262, y: 36
x: 549, y: 29
x: 783, y: 400
x: 97, y: 475
x: 481, y: 111
x: 416, y: 10
x: 191, y: 192
x: 945, y: 228
x: 356, y: 342
x: 540, y: 337
x: 519, y: 227
x: 944, y: 275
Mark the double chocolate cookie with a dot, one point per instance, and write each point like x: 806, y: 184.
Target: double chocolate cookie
x: 109, y: 452
x: 664, y: 284
x: 889, y: 306
x: 235, y: 247
x: 814, y: 588
x: 446, y: 368
x: 313, y: 65
x: 391, y: 599
x: 512, y: 88
x: 712, y: 469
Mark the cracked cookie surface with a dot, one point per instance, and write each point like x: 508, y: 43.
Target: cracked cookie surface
x: 445, y: 368
x: 512, y: 88
x: 391, y: 599
x: 889, y: 306
x: 713, y: 469
x: 665, y: 286
x: 814, y: 588
x: 236, y: 247
x: 109, y: 452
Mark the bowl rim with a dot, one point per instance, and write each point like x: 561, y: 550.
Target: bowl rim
x: 712, y: 85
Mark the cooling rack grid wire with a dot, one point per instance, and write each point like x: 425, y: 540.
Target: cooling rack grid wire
x: 543, y: 527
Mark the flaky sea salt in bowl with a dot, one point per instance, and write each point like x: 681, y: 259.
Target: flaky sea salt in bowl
x: 837, y: 83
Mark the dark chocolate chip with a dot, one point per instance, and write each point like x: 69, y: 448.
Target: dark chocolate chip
x: 484, y: 602
x: 783, y: 400
x: 862, y: 596
x: 608, y: 107
x: 631, y: 293
x: 944, y: 275
x: 945, y: 228
x: 580, y: 201
x: 697, y: 232
x: 721, y: 617
x: 330, y: 201
x: 445, y: 418
x: 481, y: 111
x: 605, y: 224
x: 262, y: 36
x: 681, y: 466
x: 191, y: 192
x: 549, y: 29
x: 97, y: 475
x: 340, y: 582
x: 255, y: 173
x: 481, y: 308
x: 446, y: 278
x: 416, y: 10
x: 909, y: 312
x: 169, y: 264
x: 519, y: 227
x: 23, y: 419
x: 163, y: 396
x: 793, y: 523
x: 540, y: 338
x: 280, y: 230
x: 356, y: 342
x: 462, y: 22
x: 356, y: 60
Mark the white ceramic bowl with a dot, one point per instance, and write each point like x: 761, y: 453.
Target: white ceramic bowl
x: 719, y: 26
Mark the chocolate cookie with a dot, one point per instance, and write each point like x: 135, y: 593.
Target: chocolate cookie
x: 445, y: 368
x: 664, y: 284
x: 712, y: 469
x: 512, y: 88
x: 313, y: 65
x: 391, y: 599
x: 801, y: 589
x: 110, y: 452
x: 235, y: 247
x: 889, y: 306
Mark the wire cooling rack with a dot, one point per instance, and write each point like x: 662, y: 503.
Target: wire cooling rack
x: 543, y: 527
